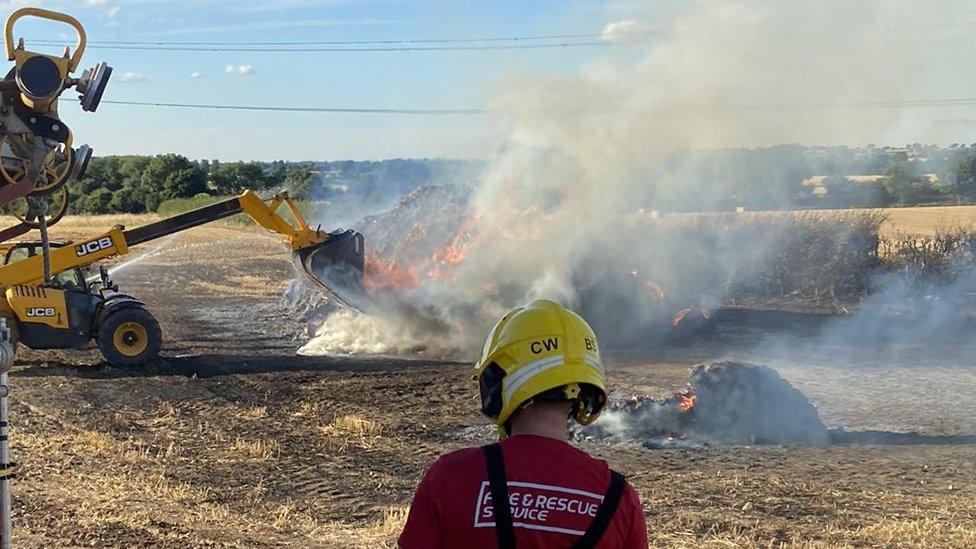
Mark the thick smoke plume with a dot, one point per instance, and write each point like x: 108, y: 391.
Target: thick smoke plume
x: 566, y: 208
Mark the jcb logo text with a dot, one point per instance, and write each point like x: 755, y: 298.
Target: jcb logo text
x: 40, y: 311
x: 93, y: 246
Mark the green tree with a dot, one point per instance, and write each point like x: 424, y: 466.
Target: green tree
x: 275, y: 175
x: 97, y: 202
x: 963, y: 174
x: 907, y: 188
x: 298, y: 182
x: 173, y: 176
x: 127, y: 200
x: 235, y: 177
x: 184, y: 184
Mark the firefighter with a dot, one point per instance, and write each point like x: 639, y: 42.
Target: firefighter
x: 540, y: 367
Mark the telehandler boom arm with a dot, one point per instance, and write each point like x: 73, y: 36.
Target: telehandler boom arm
x: 302, y: 239
x: 265, y: 214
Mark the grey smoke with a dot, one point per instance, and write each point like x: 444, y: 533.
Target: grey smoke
x: 585, y: 150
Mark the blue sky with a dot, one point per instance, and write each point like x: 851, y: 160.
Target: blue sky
x: 452, y: 79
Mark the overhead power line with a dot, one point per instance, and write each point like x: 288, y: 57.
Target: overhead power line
x: 332, y: 42
x: 549, y: 41
x: 901, y: 104
x: 300, y: 109
x: 311, y: 49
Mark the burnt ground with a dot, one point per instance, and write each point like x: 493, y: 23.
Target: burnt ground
x: 233, y: 440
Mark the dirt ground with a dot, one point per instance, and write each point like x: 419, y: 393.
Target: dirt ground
x: 234, y: 440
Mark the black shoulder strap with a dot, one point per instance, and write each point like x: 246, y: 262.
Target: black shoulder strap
x: 604, y: 514
x: 504, y: 529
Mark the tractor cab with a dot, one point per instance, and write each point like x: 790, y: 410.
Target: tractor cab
x: 75, y: 279
x: 72, y: 309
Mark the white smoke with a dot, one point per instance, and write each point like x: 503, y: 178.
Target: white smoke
x: 586, y: 150
x: 353, y: 333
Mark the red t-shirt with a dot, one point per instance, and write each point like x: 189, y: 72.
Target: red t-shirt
x: 554, y: 491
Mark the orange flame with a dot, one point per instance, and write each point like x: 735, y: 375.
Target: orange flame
x: 413, y: 237
x: 455, y: 251
x: 382, y: 274
x: 687, y: 401
x: 679, y: 317
x: 682, y: 315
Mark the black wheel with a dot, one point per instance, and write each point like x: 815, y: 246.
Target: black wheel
x: 129, y: 337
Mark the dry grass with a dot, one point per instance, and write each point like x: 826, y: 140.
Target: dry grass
x: 349, y: 431
x: 254, y: 413
x: 80, y: 227
x: 722, y: 508
x: 354, y: 426
x: 253, y: 450
x: 927, y: 221
x: 919, y: 532
x: 168, y: 460
x: 381, y: 533
x: 922, y: 221
x: 75, y: 227
x: 919, y: 220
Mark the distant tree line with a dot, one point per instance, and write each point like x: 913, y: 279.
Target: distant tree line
x: 773, y: 178
x: 766, y: 178
x: 136, y: 184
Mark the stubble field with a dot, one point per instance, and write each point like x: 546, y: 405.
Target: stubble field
x: 233, y: 440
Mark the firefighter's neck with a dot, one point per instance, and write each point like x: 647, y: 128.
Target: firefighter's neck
x: 544, y: 419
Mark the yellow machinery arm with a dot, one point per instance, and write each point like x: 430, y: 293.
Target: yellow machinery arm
x: 118, y: 240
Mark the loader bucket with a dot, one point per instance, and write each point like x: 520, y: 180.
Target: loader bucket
x: 337, y: 266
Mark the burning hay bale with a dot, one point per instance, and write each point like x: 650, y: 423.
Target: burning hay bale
x: 725, y: 402
x: 445, y: 261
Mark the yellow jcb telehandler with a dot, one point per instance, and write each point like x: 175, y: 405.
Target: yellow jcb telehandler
x: 65, y: 311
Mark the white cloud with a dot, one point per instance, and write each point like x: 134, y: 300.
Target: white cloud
x: 195, y: 75
x: 131, y: 77
x: 243, y: 70
x: 621, y: 30
x: 111, y: 12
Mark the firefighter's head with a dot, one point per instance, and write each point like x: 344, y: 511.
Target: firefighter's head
x: 540, y: 353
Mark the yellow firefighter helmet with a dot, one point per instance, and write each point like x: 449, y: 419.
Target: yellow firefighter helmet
x: 541, y: 352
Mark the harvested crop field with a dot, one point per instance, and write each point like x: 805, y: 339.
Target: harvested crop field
x: 920, y: 220
x: 234, y: 440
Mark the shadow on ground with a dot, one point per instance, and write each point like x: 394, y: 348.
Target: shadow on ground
x: 888, y: 438
x: 205, y: 366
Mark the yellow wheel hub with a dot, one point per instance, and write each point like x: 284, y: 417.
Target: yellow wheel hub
x: 131, y: 338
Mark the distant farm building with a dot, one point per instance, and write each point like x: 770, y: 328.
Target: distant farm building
x: 819, y: 185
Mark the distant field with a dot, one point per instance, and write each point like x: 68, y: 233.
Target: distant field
x: 919, y: 220
x: 79, y: 227
x: 923, y: 220
x: 927, y: 220
x: 74, y: 227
